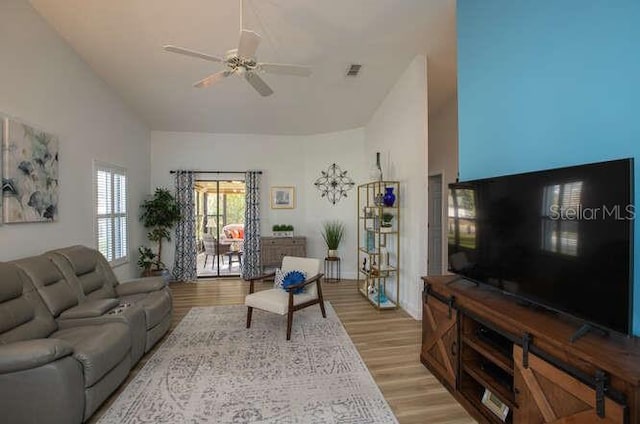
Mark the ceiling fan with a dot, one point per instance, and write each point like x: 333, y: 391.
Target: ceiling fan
x: 242, y: 62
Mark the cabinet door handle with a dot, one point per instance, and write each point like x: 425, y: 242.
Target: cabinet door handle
x: 454, y: 348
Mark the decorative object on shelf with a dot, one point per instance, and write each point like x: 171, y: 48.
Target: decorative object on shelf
x: 389, y: 198
x: 334, y: 184
x: 332, y: 234
x: 371, y: 242
x: 282, y: 230
x: 386, y: 219
x: 381, y: 297
x: 29, y: 173
x: 384, y: 259
x: 376, y: 170
x: 283, y: 198
x: 378, y: 199
x: 160, y: 213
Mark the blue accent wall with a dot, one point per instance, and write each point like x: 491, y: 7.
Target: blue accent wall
x: 549, y: 83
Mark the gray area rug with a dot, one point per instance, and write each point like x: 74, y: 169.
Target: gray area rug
x: 212, y: 369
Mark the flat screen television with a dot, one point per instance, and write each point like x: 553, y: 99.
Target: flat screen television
x: 560, y: 238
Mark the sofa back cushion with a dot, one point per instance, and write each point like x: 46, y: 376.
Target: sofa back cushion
x: 56, y: 292
x: 23, y: 316
x: 87, y: 271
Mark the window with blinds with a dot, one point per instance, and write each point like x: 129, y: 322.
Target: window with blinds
x: 111, y: 212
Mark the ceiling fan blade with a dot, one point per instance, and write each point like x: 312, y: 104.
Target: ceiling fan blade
x: 284, y: 69
x: 212, y: 79
x: 258, y: 83
x: 249, y: 42
x: 193, y: 53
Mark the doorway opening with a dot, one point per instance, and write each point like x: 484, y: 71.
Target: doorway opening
x: 220, y: 206
x: 435, y: 261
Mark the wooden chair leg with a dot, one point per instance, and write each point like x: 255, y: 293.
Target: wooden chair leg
x: 324, y: 313
x: 249, y: 312
x: 289, y: 322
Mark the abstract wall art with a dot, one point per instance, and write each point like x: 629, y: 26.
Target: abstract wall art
x: 29, y: 174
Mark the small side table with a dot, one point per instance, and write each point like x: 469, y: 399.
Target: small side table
x: 332, y: 269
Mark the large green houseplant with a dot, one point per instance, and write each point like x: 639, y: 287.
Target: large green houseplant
x: 160, y: 213
x: 332, y: 233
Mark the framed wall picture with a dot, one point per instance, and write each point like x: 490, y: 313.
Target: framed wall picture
x: 29, y: 174
x: 283, y: 198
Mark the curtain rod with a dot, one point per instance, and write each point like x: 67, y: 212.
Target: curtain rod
x: 173, y: 171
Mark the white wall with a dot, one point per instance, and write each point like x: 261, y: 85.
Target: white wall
x: 398, y: 130
x: 285, y: 161
x: 443, y: 156
x: 45, y: 84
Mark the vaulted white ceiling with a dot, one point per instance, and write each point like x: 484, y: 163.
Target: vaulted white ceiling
x: 122, y: 41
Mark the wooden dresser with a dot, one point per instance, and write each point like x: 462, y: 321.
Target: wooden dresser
x: 273, y: 249
x: 489, y: 349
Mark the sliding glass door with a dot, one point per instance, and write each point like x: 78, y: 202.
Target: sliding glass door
x: 220, y: 209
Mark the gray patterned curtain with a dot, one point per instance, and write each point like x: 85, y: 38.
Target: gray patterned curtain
x: 251, y: 254
x: 184, y: 265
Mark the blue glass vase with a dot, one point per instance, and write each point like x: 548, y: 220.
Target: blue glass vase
x: 389, y: 198
x: 382, y: 297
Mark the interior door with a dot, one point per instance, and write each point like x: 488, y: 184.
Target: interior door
x: 435, y: 225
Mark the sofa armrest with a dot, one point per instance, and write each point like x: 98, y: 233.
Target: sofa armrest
x: 140, y: 285
x: 90, y: 309
x: 30, y: 354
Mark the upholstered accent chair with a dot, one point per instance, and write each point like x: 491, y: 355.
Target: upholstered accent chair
x: 284, y: 301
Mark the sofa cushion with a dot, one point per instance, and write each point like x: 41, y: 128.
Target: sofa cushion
x: 53, y: 288
x: 275, y: 300
x: 99, y: 348
x: 23, y: 316
x: 11, y: 286
x: 30, y: 354
x: 82, y: 261
x: 86, y: 270
x: 141, y: 285
x: 90, y: 309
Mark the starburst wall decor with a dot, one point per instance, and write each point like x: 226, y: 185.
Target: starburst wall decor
x: 334, y: 183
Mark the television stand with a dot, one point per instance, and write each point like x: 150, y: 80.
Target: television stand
x: 461, y: 278
x: 586, y: 328
x: 507, y: 363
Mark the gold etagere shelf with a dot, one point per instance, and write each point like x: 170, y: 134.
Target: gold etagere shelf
x: 379, y: 243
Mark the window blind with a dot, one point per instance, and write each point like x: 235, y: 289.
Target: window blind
x: 111, y: 212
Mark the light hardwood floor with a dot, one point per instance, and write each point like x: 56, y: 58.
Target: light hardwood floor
x: 388, y: 341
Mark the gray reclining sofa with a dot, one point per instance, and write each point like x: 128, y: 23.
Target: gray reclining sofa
x: 70, y: 333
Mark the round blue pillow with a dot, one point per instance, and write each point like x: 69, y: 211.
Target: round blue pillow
x: 292, y: 278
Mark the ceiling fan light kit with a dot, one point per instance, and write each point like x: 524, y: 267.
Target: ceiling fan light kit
x: 242, y: 62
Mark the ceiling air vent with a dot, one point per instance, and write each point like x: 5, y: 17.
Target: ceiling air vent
x: 353, y: 70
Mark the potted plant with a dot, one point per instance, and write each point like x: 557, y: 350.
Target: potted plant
x: 146, y: 260
x: 332, y: 233
x: 386, y: 222
x: 282, y: 230
x: 160, y: 214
